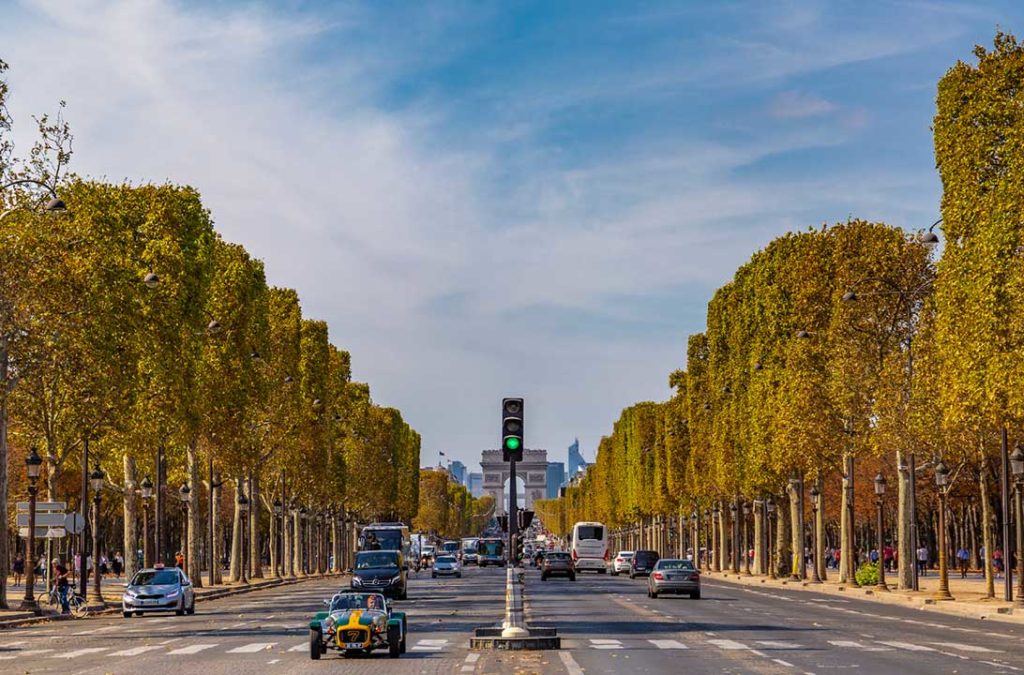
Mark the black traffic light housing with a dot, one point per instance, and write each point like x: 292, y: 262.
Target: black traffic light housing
x: 524, y: 520
x: 503, y: 521
x: 512, y: 429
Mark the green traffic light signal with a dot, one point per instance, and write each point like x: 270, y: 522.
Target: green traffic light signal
x: 512, y: 443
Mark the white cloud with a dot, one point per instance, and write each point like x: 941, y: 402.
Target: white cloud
x: 797, y: 105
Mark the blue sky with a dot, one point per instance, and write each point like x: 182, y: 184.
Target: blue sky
x: 487, y: 199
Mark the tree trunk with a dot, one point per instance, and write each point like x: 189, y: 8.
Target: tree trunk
x: 192, y: 562
x: 335, y: 547
x: 907, y: 548
x: 287, y: 558
x: 218, y: 534
x: 986, y: 533
x: 255, y: 507
x: 297, y: 539
x: 758, y: 539
x: 723, y: 538
x: 783, y: 561
x: 131, y: 535
x: 716, y: 556
x: 846, y: 548
x: 274, y: 562
x: 819, y: 532
x: 235, y: 569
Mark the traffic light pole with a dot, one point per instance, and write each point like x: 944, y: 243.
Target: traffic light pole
x: 513, y: 512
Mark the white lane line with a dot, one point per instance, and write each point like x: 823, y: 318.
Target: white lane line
x: 1000, y: 665
x: 135, y: 651
x: 300, y: 647
x: 906, y: 645
x: 571, y: 667
x: 191, y: 649
x: 965, y: 648
x: 272, y: 662
x: 783, y: 663
x: 27, y: 652
x: 778, y: 644
x: 856, y: 645
x: 668, y: 644
x: 8, y: 645
x: 251, y: 648
x: 605, y: 644
x: 731, y: 645
x: 472, y: 658
x: 430, y: 645
x: 79, y: 652
x: 102, y: 629
x: 167, y: 642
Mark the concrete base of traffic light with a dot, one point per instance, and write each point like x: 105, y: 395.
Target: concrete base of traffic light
x: 514, y: 634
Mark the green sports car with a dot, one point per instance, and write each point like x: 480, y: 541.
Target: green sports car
x: 357, y: 623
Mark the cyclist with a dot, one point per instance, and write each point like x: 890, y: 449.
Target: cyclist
x: 60, y: 575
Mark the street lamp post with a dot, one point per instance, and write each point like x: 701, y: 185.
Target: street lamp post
x: 941, y: 478
x: 815, y: 505
x: 243, y: 511
x: 715, y: 531
x: 879, y: 491
x: 746, y: 537
x: 707, y: 540
x: 278, y: 510
x: 1017, y: 466
x: 770, y: 506
x: 96, y: 479
x: 33, y: 463
x: 146, y: 490
x: 734, y: 538
x: 183, y: 494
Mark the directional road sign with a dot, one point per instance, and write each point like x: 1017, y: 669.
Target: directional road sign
x: 74, y: 522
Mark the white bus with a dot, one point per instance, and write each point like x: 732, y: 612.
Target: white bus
x: 590, y: 547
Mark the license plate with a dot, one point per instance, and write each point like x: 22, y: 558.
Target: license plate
x: 353, y: 645
x: 150, y: 602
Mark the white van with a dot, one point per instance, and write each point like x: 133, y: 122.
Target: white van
x: 590, y: 547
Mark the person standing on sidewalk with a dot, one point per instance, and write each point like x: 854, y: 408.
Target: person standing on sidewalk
x: 962, y: 560
x: 922, y: 560
x: 18, y: 567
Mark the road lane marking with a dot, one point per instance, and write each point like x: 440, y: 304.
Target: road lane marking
x: 668, y: 644
x: 906, y: 645
x: 1000, y: 665
x: 783, y: 663
x: 135, y: 651
x: 27, y: 652
x: 272, y: 662
x: 251, y: 648
x: 605, y: 644
x: 430, y: 645
x: 571, y: 667
x: 79, y: 652
x: 102, y: 629
x: 299, y: 647
x: 191, y: 649
x: 731, y: 645
x: 856, y: 645
x: 778, y: 644
x: 965, y: 648
x: 8, y: 645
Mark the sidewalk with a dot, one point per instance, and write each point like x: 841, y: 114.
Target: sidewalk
x: 112, y: 589
x: 969, y: 594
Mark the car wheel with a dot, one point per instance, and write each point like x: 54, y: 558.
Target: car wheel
x: 602, y: 571
x: 181, y: 610
x: 543, y: 577
x: 632, y: 576
x: 191, y: 608
x: 433, y: 575
x: 315, y: 641
x: 394, y: 642
x: 695, y: 595
x: 138, y: 613
x: 654, y: 595
x: 572, y: 577
x: 404, y: 595
x: 127, y: 615
x: 615, y: 573
x: 458, y: 575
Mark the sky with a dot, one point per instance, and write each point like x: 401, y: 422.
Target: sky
x: 488, y: 199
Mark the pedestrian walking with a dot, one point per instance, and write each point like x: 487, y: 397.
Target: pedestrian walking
x: 997, y: 561
x: 179, y: 560
x: 887, y: 556
x: 922, y: 560
x: 963, y: 560
x: 118, y: 564
x: 18, y: 567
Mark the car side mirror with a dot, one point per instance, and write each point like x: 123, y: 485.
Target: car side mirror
x: 327, y: 603
x: 186, y: 583
x: 348, y: 571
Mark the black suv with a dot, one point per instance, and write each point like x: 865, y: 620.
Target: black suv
x: 642, y: 563
x: 381, y: 571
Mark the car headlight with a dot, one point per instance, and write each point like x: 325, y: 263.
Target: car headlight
x: 356, y: 581
x: 397, y: 578
x: 172, y: 594
x: 327, y: 624
x: 130, y: 594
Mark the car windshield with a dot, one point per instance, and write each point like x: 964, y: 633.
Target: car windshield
x: 556, y: 556
x: 625, y: 554
x: 344, y: 601
x: 675, y: 565
x: 590, y: 532
x: 446, y: 559
x: 365, y: 561
x: 155, y: 578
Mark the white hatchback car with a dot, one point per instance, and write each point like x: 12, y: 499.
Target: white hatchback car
x: 447, y: 565
x: 159, y: 589
x: 621, y: 562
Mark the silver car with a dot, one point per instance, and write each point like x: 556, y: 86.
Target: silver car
x: 674, y: 576
x: 160, y: 589
x: 447, y: 565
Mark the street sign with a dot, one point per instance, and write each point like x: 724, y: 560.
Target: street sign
x: 44, y: 506
x: 74, y: 522
x: 44, y: 532
x: 42, y: 519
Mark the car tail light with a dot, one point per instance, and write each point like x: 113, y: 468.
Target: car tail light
x: 605, y: 556
x: 658, y: 576
x: 618, y: 560
x: 575, y: 556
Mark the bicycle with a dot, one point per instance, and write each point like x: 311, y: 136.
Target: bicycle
x: 76, y: 603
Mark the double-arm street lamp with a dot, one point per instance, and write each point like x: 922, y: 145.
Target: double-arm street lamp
x: 815, y: 505
x: 879, y: 492
x: 734, y: 539
x: 243, y: 511
x: 1017, y: 467
x: 33, y: 463
x: 746, y: 537
x: 278, y: 512
x: 770, y: 507
x: 941, y: 479
x: 146, y: 491
x: 96, y: 480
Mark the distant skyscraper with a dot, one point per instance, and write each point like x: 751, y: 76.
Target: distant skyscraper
x: 556, y: 476
x: 458, y: 471
x: 576, y: 461
x: 475, y: 483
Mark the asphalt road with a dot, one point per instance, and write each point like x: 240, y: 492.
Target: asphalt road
x: 608, y: 625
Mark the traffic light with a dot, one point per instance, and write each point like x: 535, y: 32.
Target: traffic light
x: 519, y: 546
x: 524, y: 520
x: 503, y: 521
x: 512, y: 429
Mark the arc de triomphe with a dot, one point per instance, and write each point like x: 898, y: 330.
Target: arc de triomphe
x: 533, y: 470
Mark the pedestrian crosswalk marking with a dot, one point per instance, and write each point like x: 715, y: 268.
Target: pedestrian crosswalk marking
x: 135, y: 651
x: 907, y: 646
x: 251, y: 648
x: 79, y: 652
x: 778, y: 644
x: 302, y: 646
x: 27, y: 652
x: 731, y: 645
x: 191, y: 649
x: 430, y: 645
x: 668, y: 644
x: 598, y: 643
x: 964, y: 648
x: 856, y: 645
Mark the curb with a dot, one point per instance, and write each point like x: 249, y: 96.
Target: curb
x: 211, y: 595
x: 973, y: 610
